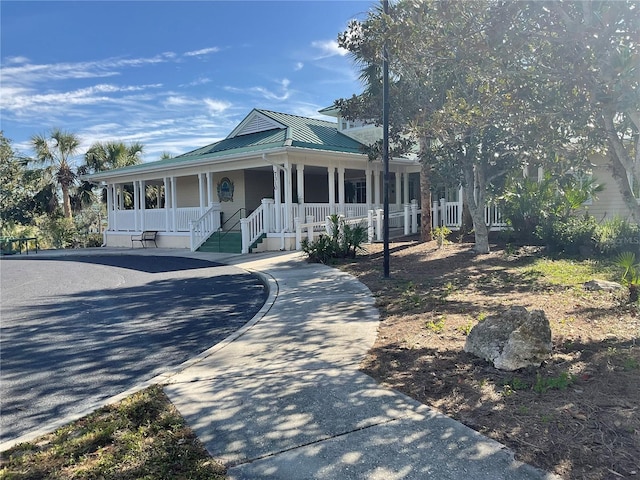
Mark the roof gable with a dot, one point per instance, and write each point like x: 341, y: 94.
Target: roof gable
x: 255, y: 122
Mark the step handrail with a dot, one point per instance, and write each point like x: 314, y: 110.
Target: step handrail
x: 222, y: 232
x: 201, y: 228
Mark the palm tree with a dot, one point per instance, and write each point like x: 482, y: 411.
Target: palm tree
x: 110, y: 155
x: 106, y: 156
x: 55, y: 150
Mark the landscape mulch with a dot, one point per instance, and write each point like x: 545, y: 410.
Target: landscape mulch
x: 578, y: 415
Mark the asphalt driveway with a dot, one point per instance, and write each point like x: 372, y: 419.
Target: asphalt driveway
x: 77, y: 330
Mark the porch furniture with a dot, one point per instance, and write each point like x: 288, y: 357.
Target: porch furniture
x: 146, y: 236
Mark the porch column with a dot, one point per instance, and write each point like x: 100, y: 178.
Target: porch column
x: 406, y: 187
x: 376, y: 186
x: 136, y: 202
x: 367, y: 176
x: 300, y: 182
x: 120, y: 196
x: 277, y: 198
x: 143, y: 202
x: 398, y: 189
x: 158, y: 197
x: 341, y: 199
x: 167, y: 217
x: 174, y: 201
x: 110, y: 210
x: 288, y: 197
x: 332, y: 189
x: 209, y: 176
x: 202, y: 192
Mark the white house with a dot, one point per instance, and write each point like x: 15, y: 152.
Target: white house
x: 271, y: 175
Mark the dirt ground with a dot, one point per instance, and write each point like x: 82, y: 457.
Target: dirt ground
x: 578, y: 415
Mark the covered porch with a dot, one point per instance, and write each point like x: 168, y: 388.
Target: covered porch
x: 268, y: 198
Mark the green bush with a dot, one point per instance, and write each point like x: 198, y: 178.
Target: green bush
x: 344, y: 242
x: 571, y: 236
x: 612, y: 237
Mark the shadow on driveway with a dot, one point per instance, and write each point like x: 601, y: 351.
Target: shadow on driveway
x: 78, y: 330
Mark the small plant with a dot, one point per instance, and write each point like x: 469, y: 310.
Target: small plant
x: 440, y: 234
x: 466, y: 328
x: 436, y: 326
x: 631, y: 276
x: 561, y: 382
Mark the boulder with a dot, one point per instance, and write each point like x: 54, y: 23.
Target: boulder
x: 604, y: 285
x: 511, y: 340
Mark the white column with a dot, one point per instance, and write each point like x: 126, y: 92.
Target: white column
x: 376, y: 186
x: 288, y: 197
x: 120, y: 196
x: 167, y: 202
x: 174, y: 201
x: 332, y: 188
x: 277, y: 198
x: 110, y: 209
x: 406, y: 187
x: 143, y: 202
x: 341, y: 196
x: 210, y: 199
x: 300, y: 182
x: 398, y: 189
x: 136, y: 202
x: 202, y: 191
x: 368, y: 185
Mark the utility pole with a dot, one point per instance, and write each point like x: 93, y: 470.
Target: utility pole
x: 385, y: 142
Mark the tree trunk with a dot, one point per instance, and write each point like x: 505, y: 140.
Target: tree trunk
x: 621, y: 162
x: 476, y: 208
x: 66, y: 202
x: 425, y: 199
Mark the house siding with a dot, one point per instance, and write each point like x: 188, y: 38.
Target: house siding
x: 608, y: 203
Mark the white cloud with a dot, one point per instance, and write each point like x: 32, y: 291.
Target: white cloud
x: 202, y: 51
x: 298, y: 66
x: 27, y: 73
x: 25, y: 102
x: 265, y: 92
x: 216, y: 106
x: 328, y: 48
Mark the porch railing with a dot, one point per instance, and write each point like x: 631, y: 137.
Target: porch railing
x: 449, y: 214
x: 201, y: 228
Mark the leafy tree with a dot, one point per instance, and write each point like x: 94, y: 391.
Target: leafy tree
x: 588, y: 54
x: 55, y: 151
x: 24, y: 194
x: 454, y: 71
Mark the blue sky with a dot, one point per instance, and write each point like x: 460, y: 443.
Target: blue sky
x: 172, y: 75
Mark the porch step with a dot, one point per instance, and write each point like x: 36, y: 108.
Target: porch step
x: 227, y: 242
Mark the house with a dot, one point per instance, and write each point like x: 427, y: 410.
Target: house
x: 273, y: 173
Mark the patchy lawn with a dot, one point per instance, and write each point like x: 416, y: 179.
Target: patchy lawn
x: 142, y: 437
x: 578, y: 415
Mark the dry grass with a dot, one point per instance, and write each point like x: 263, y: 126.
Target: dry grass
x: 142, y: 437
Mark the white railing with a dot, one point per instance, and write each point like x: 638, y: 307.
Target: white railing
x: 253, y: 227
x: 155, y: 219
x: 184, y: 216
x: 449, y: 214
x: 374, y: 219
x: 202, y: 227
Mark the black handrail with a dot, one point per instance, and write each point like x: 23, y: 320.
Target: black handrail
x: 222, y: 233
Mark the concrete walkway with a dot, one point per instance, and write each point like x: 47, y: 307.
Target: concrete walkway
x: 283, y: 399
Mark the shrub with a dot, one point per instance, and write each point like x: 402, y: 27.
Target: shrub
x: 571, y: 236
x: 612, y: 237
x: 344, y: 241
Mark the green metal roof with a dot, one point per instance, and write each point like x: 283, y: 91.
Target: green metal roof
x: 296, y: 131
